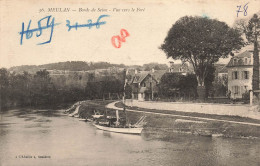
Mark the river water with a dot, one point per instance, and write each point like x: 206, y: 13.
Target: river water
x: 45, y: 137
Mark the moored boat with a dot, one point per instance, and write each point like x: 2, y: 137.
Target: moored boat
x: 126, y: 130
x: 117, y: 124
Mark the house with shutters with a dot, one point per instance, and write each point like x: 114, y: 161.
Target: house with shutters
x: 240, y: 72
x: 144, y: 84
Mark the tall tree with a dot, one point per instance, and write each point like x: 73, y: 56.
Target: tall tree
x: 201, y: 41
x: 252, y: 32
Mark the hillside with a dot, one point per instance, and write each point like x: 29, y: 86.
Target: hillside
x: 69, y: 65
x: 82, y: 66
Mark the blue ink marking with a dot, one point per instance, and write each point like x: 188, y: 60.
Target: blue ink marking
x: 89, y: 24
x: 245, y: 9
x: 29, y: 32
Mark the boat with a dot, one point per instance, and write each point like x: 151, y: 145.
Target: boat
x: 126, y: 130
x: 117, y: 125
x: 97, y: 115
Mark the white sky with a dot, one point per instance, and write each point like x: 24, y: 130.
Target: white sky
x: 147, y: 29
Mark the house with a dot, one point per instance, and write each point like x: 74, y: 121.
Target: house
x: 221, y: 70
x: 144, y: 84
x: 183, y: 69
x: 240, y: 72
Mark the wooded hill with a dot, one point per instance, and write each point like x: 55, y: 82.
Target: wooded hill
x: 82, y: 66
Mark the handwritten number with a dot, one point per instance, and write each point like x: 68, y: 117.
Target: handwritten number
x: 29, y: 32
x: 90, y: 24
x: 245, y: 9
x: 239, y: 10
x: 50, y: 23
x: 123, y: 34
x: 114, y: 39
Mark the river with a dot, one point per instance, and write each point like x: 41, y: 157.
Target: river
x: 47, y: 137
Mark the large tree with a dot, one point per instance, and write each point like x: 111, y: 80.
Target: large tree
x: 201, y: 42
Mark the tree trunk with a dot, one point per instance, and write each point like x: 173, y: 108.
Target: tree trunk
x: 255, y: 81
x: 201, y: 90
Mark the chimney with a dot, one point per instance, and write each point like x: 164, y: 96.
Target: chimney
x: 135, y: 71
x: 152, y: 70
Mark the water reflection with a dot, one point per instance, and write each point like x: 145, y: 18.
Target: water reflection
x: 72, y: 142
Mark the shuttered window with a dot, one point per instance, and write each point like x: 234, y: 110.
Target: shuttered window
x: 235, y: 75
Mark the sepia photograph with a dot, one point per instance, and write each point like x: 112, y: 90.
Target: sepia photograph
x: 129, y: 83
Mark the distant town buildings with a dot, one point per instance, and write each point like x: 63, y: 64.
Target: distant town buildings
x: 145, y: 83
x: 183, y: 69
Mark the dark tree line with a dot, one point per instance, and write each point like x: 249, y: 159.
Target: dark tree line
x: 109, y: 87
x: 39, y: 89
x: 26, y: 89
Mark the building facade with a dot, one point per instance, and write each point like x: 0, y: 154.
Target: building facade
x: 144, y: 86
x: 240, y: 72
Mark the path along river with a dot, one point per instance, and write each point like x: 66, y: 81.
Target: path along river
x: 48, y: 137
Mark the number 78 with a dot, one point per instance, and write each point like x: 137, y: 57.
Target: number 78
x: 245, y: 9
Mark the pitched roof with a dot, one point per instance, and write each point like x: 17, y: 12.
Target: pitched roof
x: 157, y: 74
x: 181, y: 68
x: 221, y: 68
x: 240, y: 59
x: 244, y: 54
x: 139, y: 77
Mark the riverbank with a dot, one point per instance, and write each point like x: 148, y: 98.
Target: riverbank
x: 163, y: 126
x: 45, y: 106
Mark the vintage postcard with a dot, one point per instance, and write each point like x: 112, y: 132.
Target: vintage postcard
x: 129, y: 83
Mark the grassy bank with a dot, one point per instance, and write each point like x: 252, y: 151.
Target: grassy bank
x: 164, y: 127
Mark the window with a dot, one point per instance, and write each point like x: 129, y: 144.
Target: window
x: 236, y: 90
x: 144, y: 85
x: 235, y: 75
x: 245, y: 61
x: 245, y: 75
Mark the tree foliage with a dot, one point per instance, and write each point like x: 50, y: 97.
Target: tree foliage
x: 201, y: 41
x: 39, y: 90
x: 175, y: 83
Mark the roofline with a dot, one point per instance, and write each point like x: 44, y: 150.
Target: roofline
x: 144, y: 78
